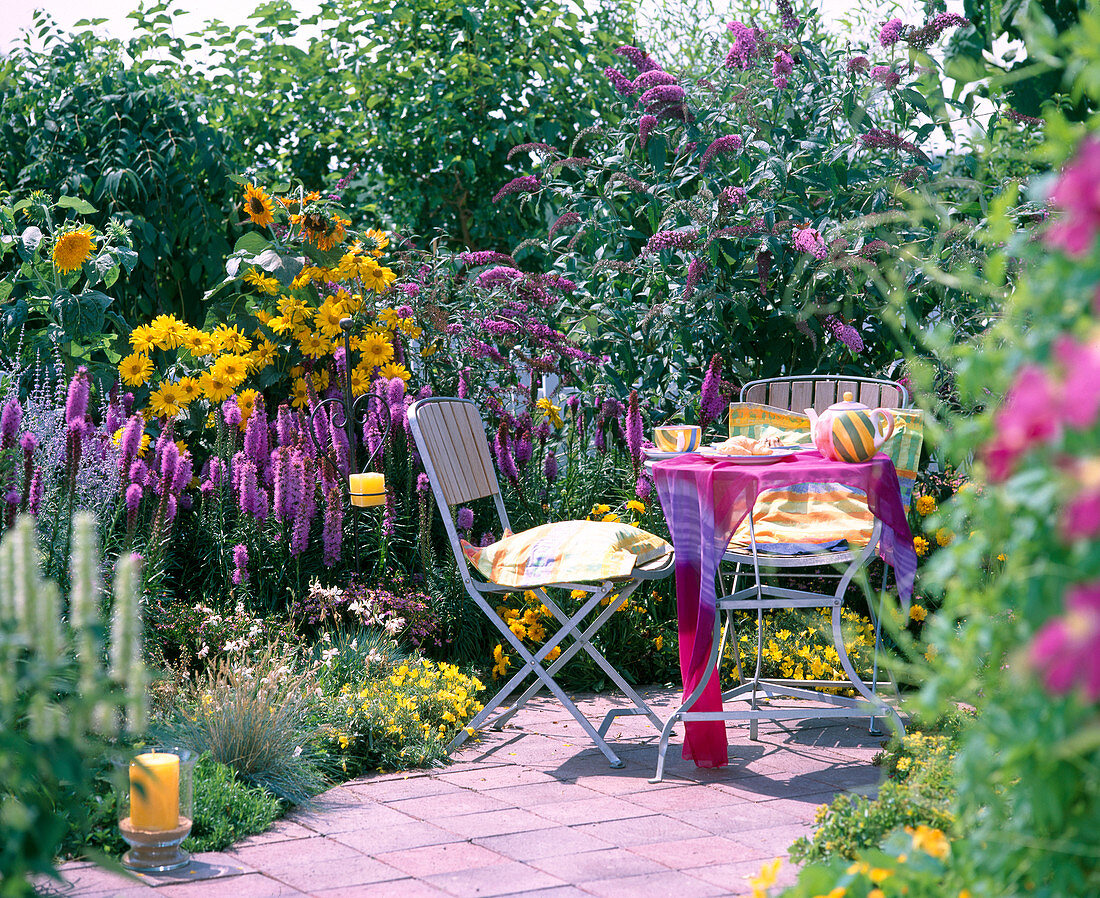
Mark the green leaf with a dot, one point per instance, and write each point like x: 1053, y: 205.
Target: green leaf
x: 13, y: 316
x: 79, y: 206
x: 283, y: 267
x: 81, y: 315
x: 31, y: 237
x: 253, y: 242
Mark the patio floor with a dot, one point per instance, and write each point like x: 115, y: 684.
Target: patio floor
x: 535, y: 810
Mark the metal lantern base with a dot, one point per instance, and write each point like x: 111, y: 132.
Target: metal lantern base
x: 155, y: 852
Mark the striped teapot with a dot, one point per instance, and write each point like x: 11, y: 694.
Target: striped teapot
x: 850, y: 431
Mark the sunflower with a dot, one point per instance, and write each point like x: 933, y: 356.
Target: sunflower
x: 190, y: 388
x: 166, y: 401
x: 375, y: 350
x: 381, y: 241
x: 299, y: 393
x: 141, y: 338
x: 231, y: 368
x: 168, y: 331
x: 258, y: 206
x: 215, y: 388
x: 321, y: 232
x: 135, y: 369
x: 392, y: 370
x: 73, y: 249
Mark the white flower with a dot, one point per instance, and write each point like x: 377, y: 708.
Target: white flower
x: 297, y: 751
x: 395, y: 625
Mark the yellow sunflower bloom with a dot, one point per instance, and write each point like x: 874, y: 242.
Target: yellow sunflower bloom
x: 231, y: 368
x: 190, y: 388
x: 375, y: 350
x: 168, y: 331
x: 135, y: 369
x: 141, y: 339
x: 312, y: 345
x: 166, y: 402
x: 262, y: 282
x: 215, y: 388
x: 376, y: 277
x: 264, y: 353
x: 393, y: 370
x: 72, y: 249
x: 257, y: 204
x: 299, y: 394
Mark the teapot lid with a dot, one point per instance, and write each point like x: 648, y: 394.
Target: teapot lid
x: 848, y: 404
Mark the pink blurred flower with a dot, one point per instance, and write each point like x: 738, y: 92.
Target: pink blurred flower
x: 1066, y: 651
x: 1081, y: 363
x: 1078, y: 195
x: 1029, y: 417
x: 1081, y: 516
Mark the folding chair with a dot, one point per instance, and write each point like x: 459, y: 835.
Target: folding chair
x: 793, y: 394
x: 450, y: 435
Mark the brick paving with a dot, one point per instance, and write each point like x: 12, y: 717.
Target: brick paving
x: 535, y: 810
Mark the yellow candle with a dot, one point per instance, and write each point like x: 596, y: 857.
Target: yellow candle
x: 367, y: 489
x: 155, y: 791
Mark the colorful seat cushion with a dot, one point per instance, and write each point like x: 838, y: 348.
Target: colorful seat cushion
x: 566, y: 552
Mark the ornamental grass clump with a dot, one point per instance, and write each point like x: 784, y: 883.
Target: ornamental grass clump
x: 253, y: 715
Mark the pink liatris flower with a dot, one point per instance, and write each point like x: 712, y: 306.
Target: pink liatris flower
x: 505, y: 462
x: 11, y: 419
x: 646, y: 125
x: 731, y: 143
x: 465, y: 518
x: 332, y: 528
x: 891, y: 32
x: 522, y: 184
x: 1076, y: 195
x: 1066, y: 651
x: 634, y: 431
x: 240, y: 564
x: 76, y: 403
x: 231, y: 413
x: 643, y: 489
x: 1029, y: 417
x: 809, y: 240
x: 549, y: 468
x: 133, y: 503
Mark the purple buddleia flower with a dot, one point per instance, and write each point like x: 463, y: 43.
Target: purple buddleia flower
x: 782, y: 66
x: 809, y: 240
x: 562, y: 221
x: 922, y: 38
x: 506, y: 464
x: 697, y: 270
x: 663, y: 240
x: 646, y: 125
x: 286, y: 428
x: 619, y: 81
x: 891, y: 32
x: 486, y: 539
x: 885, y: 75
x: 639, y: 58
x: 879, y: 138
x: 485, y: 257
x: 732, y: 196
x: 633, y: 431
x: 465, y: 518
x: 501, y: 275
x: 712, y: 402
x: 731, y: 143
x: 550, y: 467
x: 522, y: 184
x: 787, y: 16
x: 543, y: 150
x: 845, y: 333
x: 858, y: 64
x: 11, y: 419
x: 746, y: 46
x: 76, y: 403
x: 332, y: 532
x: 662, y: 94
x: 652, y: 78
x: 231, y: 413
x: 240, y: 564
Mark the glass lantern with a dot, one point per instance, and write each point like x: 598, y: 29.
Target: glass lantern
x: 155, y: 807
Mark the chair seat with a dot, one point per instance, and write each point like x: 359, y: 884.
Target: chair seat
x: 568, y: 552
x: 808, y: 514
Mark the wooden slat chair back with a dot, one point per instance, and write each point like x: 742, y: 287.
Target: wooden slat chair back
x: 453, y: 437
x: 820, y: 391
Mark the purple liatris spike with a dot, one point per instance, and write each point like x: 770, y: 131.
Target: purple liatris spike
x: 129, y: 443
x: 168, y: 460
x: 231, y: 413
x: 11, y: 419
x: 332, y: 532
x: 34, y: 494
x: 240, y: 564
x: 422, y: 483
x: 139, y: 472
x: 256, y: 436
x: 646, y: 124
x: 249, y: 493
x: 389, y: 515
x: 634, y: 431
x: 712, y: 402
x: 182, y: 476
x: 395, y: 399
x: 643, y: 488
x: 286, y: 427
x: 465, y: 518
x: 76, y: 403
x: 463, y: 386
x: 731, y: 143
x: 505, y: 462
x: 340, y: 448
x: 550, y: 467
x: 522, y: 184
x: 134, y: 493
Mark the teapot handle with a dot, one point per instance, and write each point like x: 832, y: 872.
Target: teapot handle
x: 881, y: 413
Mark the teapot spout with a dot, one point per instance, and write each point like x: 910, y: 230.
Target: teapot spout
x: 812, y: 415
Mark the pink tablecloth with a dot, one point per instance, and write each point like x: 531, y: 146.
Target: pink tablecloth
x: 704, y: 500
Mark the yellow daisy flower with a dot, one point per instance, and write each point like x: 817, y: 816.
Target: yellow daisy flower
x: 231, y: 339
x: 168, y: 331
x: 214, y: 387
x: 257, y: 203
x: 141, y: 339
x: 135, y: 369
x: 299, y: 394
x: 359, y: 382
x: 381, y: 241
x: 389, y: 318
x: 320, y: 380
x: 327, y: 318
x: 393, y: 370
x: 375, y: 350
x: 231, y: 368
x: 917, y: 613
x: 551, y: 412
x: 376, y: 277
x: 166, y: 401
x: 262, y: 282
x: 190, y: 388
x: 72, y: 249
x: 313, y: 345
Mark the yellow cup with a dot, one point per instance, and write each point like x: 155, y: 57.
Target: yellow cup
x: 677, y: 438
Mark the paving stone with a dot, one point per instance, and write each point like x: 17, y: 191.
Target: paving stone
x: 442, y: 858
x: 773, y: 840
x: 252, y: 885
x: 362, y: 815
x: 532, y: 794
x: 398, y: 888
x: 804, y: 807
x: 590, y: 810
x: 735, y: 818
x: 282, y: 831
x: 667, y: 882
x: 281, y: 855
x: 685, y: 798
x: 554, y: 892
x: 494, y: 777
x: 88, y: 878
x: 389, y: 790
x: 765, y: 788
x: 680, y: 854
x: 609, y: 863
x: 542, y: 843
x: 500, y: 879
x: 451, y: 804
x: 414, y: 834
x: 356, y: 870
x: 494, y: 823
x: 851, y: 777
x: 734, y: 878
